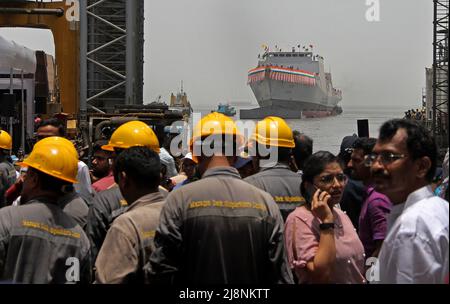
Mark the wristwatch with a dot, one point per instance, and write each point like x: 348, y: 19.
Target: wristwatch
x: 326, y: 226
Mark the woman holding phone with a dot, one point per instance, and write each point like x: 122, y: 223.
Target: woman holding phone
x: 321, y: 242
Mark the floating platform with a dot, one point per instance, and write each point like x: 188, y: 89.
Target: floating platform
x: 261, y: 113
x: 285, y: 113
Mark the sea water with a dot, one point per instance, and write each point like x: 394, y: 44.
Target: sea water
x: 328, y: 132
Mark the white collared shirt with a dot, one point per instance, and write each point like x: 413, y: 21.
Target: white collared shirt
x: 84, y: 185
x: 415, y: 250
x: 168, y: 161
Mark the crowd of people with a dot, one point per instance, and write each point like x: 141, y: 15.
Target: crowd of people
x: 416, y: 114
x: 269, y: 212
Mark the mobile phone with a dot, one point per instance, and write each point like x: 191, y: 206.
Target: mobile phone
x: 314, y: 190
x: 310, y: 190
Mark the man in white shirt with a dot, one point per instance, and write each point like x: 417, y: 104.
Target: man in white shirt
x: 169, y: 162
x: 416, y: 248
x: 84, y: 186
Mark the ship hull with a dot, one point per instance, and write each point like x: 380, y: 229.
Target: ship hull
x: 291, y: 101
x: 292, y: 85
x: 272, y: 93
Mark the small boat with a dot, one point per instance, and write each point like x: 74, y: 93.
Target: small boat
x: 180, y: 103
x: 226, y: 109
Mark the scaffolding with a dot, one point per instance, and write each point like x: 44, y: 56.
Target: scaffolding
x: 439, y: 117
x: 111, y: 54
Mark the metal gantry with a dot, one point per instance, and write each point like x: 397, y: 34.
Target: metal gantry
x: 440, y: 121
x: 111, y: 54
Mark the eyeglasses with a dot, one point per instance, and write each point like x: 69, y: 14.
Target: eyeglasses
x: 385, y: 157
x: 329, y: 179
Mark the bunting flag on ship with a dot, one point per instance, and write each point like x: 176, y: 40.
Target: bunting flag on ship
x: 282, y: 74
x: 256, y: 75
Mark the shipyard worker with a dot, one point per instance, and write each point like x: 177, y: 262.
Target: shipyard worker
x: 303, y: 149
x: 129, y: 241
x: 102, y: 161
x: 403, y: 163
x: 322, y: 244
x: 71, y: 202
x: 220, y: 229
x: 109, y: 204
x: 7, y: 171
x: 354, y: 191
x: 273, y: 142
x: 74, y: 203
x: 38, y: 241
x: 55, y: 127
x: 376, y: 207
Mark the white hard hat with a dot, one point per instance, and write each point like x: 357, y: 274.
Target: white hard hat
x: 189, y: 156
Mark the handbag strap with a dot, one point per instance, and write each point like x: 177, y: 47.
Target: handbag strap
x: 294, y: 247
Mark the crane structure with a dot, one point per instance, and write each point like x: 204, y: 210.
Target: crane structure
x: 112, y: 53
x: 440, y: 102
x: 99, y: 56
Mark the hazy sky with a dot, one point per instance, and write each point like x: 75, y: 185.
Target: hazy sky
x: 211, y: 45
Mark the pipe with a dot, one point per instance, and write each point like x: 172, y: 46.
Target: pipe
x: 83, y: 65
x: 59, y: 12
x: 22, y: 141
x: 112, y: 121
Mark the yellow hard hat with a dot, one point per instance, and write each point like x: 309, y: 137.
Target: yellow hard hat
x: 216, y: 124
x: 133, y: 134
x: 55, y: 156
x: 5, y: 140
x: 275, y: 132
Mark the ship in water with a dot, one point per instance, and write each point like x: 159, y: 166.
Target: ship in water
x: 226, y: 109
x: 181, y: 103
x: 292, y: 85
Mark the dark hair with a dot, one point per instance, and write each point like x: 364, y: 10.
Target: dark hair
x: 284, y: 154
x: 315, y: 165
x: 420, y: 142
x: 365, y: 143
x: 141, y: 164
x: 345, y: 149
x: 54, y: 122
x: 48, y: 182
x: 98, y: 146
x: 303, y: 148
x: 219, y: 142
